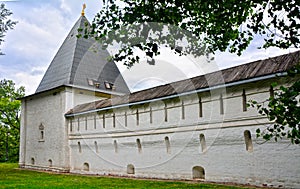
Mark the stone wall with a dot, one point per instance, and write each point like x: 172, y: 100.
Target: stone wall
x: 207, y: 136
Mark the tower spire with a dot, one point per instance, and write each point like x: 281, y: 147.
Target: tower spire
x: 83, y: 7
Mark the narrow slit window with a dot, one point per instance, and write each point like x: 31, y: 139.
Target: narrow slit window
x: 114, y: 120
x: 137, y: 117
x: 139, y: 145
x: 116, y: 146
x: 203, y: 143
x: 271, y: 92
x: 86, y: 122
x: 78, y: 124
x: 166, y: 112
x: 248, y: 141
x: 182, y: 110
x: 151, y: 119
x: 168, y: 145
x: 71, y: 125
x: 42, y: 135
x: 200, y: 107
x: 103, y: 119
x: 96, y: 147
x: 125, y: 119
x: 221, y: 105
x: 95, y: 122
x: 79, y: 147
x: 244, y: 99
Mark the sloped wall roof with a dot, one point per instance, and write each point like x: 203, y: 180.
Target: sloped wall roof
x: 251, y: 70
x: 79, y: 60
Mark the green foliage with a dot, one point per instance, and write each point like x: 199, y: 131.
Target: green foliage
x: 202, y: 26
x: 5, y: 23
x: 9, y: 120
x: 283, y: 109
x: 10, y: 177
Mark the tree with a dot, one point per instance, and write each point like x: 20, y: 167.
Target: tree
x: 205, y: 26
x: 5, y: 23
x: 10, y: 120
x: 283, y: 109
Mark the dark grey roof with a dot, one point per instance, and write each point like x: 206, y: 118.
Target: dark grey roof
x: 258, y: 69
x: 79, y: 60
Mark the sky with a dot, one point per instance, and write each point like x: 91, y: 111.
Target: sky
x: 43, y: 25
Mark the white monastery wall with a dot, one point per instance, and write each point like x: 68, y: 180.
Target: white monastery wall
x: 45, y: 132
x: 183, y: 138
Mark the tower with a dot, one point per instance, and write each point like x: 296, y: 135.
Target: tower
x: 78, y: 73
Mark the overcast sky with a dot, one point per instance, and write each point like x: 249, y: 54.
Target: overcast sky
x: 43, y: 25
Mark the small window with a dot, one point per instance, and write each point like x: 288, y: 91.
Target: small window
x: 116, y: 146
x: 151, y: 119
x: 96, y: 147
x: 41, y: 128
x: 248, y: 141
x: 42, y: 135
x: 244, y: 99
x: 114, y: 120
x: 168, y: 145
x: 109, y: 85
x: 139, y: 145
x: 130, y: 169
x: 202, y: 142
x: 95, y: 122
x: 198, y: 172
x: 200, y: 107
x: 50, y: 163
x: 71, y: 125
x: 86, y: 167
x: 182, y: 110
x: 78, y: 124
x: 125, y: 117
x: 166, y: 112
x: 79, y: 147
x: 86, y: 123
x: 90, y: 82
x: 221, y: 105
x: 32, y: 161
x: 103, y: 119
x: 271, y: 92
x: 137, y: 117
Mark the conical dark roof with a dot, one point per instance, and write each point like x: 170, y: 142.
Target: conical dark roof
x: 81, y: 62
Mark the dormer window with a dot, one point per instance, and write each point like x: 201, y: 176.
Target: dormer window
x: 94, y: 83
x: 90, y: 82
x: 109, y: 85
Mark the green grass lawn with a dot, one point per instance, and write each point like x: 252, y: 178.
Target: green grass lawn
x: 10, y: 177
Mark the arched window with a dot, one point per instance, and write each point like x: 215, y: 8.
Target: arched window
x: 198, y: 172
x: 50, y: 163
x: 139, y: 145
x: 248, y: 141
x: 86, y: 167
x: 32, y: 161
x: 202, y: 142
x: 168, y: 145
x: 130, y: 169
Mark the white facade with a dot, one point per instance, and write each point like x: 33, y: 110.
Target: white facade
x: 177, y: 138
